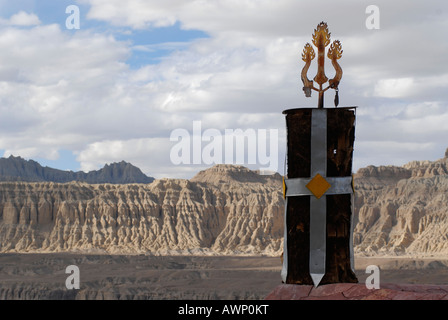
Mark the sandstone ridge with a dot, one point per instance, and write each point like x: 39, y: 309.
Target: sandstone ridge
x: 402, y: 210
x: 222, y: 210
x: 167, y: 216
x: 235, y: 174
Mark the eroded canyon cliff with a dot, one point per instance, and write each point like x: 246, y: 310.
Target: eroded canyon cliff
x: 402, y: 210
x: 197, y: 216
x: 223, y: 210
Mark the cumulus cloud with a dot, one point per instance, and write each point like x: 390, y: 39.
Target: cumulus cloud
x: 394, y: 88
x: 21, y: 18
x: 52, y: 86
x: 76, y: 91
x: 146, y: 153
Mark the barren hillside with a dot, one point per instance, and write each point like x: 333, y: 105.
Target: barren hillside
x: 223, y: 210
x: 164, y: 216
x: 402, y: 210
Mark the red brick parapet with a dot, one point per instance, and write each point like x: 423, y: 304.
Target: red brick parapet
x: 359, y: 291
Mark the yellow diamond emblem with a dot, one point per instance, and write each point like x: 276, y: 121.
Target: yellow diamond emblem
x: 318, y: 186
x: 284, y: 188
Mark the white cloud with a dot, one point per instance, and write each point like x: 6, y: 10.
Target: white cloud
x: 393, y: 153
x: 151, y: 155
x: 54, y: 86
x: 22, y: 19
x: 74, y: 91
x: 394, y: 88
x: 139, y: 14
x: 259, y: 17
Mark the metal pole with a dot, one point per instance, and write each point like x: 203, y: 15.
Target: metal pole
x: 321, y: 98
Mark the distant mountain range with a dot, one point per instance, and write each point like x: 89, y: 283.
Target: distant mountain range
x: 19, y: 169
x: 226, y: 209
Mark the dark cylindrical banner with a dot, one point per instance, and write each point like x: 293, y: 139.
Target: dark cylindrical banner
x: 319, y: 196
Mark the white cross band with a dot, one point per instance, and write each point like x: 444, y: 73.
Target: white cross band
x: 318, y: 204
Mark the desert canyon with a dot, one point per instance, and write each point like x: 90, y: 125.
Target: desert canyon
x: 224, y: 211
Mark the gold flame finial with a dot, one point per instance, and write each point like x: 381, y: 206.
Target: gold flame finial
x: 321, y: 39
x: 321, y: 35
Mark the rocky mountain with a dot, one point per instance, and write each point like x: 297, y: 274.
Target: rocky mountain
x: 19, y: 169
x: 402, y: 210
x: 167, y: 215
x: 225, y: 174
x: 225, y: 209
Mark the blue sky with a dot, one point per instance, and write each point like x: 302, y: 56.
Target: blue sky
x: 157, y: 39
x: 136, y: 70
x: 149, y: 46
x: 158, y: 42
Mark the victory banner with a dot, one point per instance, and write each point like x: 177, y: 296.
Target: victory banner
x: 318, y: 187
